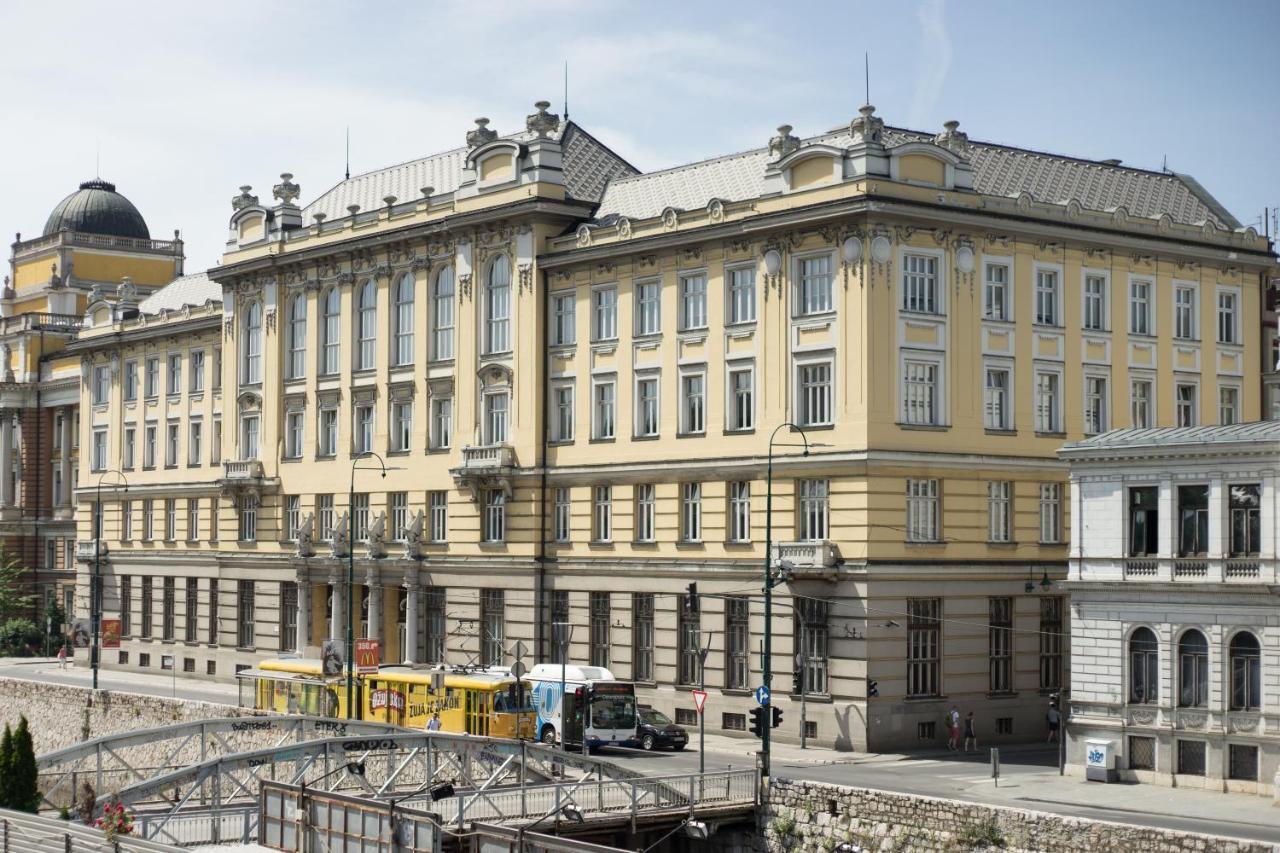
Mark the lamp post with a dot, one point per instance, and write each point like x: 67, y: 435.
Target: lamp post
x: 769, y: 580
x: 95, y: 587
x: 569, y: 810
x: 351, y: 570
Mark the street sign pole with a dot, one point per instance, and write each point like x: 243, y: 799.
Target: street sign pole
x: 702, y: 703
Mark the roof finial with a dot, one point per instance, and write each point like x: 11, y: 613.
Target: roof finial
x: 347, y: 173
x: 784, y: 143
x: 542, y: 122
x: 482, y: 134
x: 566, y: 90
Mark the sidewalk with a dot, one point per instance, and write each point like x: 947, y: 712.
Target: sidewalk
x: 791, y: 753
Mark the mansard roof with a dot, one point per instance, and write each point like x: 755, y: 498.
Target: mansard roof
x: 194, y: 290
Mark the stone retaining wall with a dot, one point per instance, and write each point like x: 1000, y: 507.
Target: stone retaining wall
x: 813, y: 817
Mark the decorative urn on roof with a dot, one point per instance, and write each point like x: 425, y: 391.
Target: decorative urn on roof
x: 286, y: 191
x: 951, y: 138
x: 482, y: 135
x: 867, y: 127
x: 542, y: 122
x: 784, y: 143
x: 245, y: 199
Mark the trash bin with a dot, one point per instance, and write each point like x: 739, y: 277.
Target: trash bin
x: 1099, y: 760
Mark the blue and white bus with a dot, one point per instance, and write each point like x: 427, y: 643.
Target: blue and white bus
x: 610, y: 705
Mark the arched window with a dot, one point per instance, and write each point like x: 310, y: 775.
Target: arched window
x: 367, y: 326
x: 442, y: 315
x: 1246, y: 672
x: 329, y: 333
x: 1193, y: 670
x: 1144, y: 667
x: 297, y: 336
x: 404, y: 320
x: 498, y: 306
x: 251, y: 366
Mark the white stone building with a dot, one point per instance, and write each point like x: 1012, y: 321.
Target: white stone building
x: 1175, y: 623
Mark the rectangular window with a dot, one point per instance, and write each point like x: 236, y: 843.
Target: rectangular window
x: 360, y: 516
x: 648, y: 307
x: 195, y: 442
x: 815, y: 284
x: 101, y: 385
x: 214, y: 609
x: 995, y: 292
x: 215, y: 446
x: 439, y: 504
x: 999, y: 511
x: 100, y: 449
x: 126, y: 605
x: 168, y: 605
x: 288, y: 616
x: 293, y: 435
x: 562, y: 515
x: 401, y: 426
x: 1193, y: 520
x: 813, y: 508
x: 249, y: 437
x: 737, y: 642
x: 399, y: 515
x: 1048, y: 403
x: 1140, y: 391
x: 563, y: 319
x: 437, y: 629
x: 324, y: 517
x: 1050, y: 513
x: 495, y: 516
x: 920, y: 398
x: 691, y: 512
x: 740, y: 511
x: 599, y: 629
x: 1228, y: 405
x: 1227, y: 326
x: 693, y: 302
x: 1142, y: 753
x: 497, y: 305
x: 1095, y: 404
x: 1184, y: 312
x: 604, y: 393
x: 642, y: 636
x: 244, y: 614
x: 922, y: 511
x: 364, y: 429
x: 693, y: 396
x: 1185, y: 405
x: 1095, y: 303
x: 1000, y: 645
x: 495, y: 417
x: 689, y: 642
x: 193, y: 519
x: 562, y: 412
x: 152, y: 378
x: 1244, y: 504
x: 920, y: 284
x: 441, y: 422
x: 217, y: 368
x: 646, y: 509
x: 175, y: 375
x: 292, y: 517
x: 1144, y: 522
x: 1242, y: 762
x: 996, y: 400
x: 1047, y: 298
x: 130, y: 448
x: 924, y: 631
x: 604, y: 314
x: 130, y: 381
x: 192, y: 611
x: 493, y: 627
x: 742, y: 408
x: 602, y: 514
x: 742, y: 294
x: 1052, y: 641
x: 147, y: 605
x: 126, y: 520
x: 815, y: 394
x: 442, y: 316
x: 647, y: 423
x: 1140, y: 307
x: 403, y: 318
x: 171, y: 444
x: 248, y: 528
x: 811, y: 638
x: 1191, y: 757
x: 148, y: 520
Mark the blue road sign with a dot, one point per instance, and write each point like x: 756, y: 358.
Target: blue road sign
x: 762, y: 695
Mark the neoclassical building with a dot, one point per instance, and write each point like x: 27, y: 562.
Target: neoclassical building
x: 1175, y: 623
x: 574, y: 371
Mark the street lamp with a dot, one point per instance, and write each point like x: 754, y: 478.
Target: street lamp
x: 695, y: 829
x: 95, y: 588
x: 351, y: 570
x: 769, y: 580
x: 569, y: 810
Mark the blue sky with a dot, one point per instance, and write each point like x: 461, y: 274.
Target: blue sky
x: 186, y: 102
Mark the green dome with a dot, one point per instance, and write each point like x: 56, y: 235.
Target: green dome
x: 96, y: 208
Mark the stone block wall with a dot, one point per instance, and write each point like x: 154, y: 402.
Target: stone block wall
x: 813, y: 817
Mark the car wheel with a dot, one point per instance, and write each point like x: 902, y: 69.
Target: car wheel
x: 549, y: 736
x: 647, y: 743
x: 678, y: 747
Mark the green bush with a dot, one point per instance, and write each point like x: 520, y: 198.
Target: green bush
x: 978, y: 835
x: 19, y: 636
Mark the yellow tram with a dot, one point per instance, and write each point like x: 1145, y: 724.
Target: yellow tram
x: 471, y: 701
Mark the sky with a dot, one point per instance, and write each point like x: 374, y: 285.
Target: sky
x: 181, y: 103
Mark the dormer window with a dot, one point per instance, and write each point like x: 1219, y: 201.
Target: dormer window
x: 251, y: 362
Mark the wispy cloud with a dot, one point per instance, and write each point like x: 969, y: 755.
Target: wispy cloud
x: 933, y: 61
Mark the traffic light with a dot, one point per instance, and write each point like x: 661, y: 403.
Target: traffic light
x: 873, y: 689
x: 758, y: 720
x: 797, y: 681
x: 691, y: 599
x: 777, y: 715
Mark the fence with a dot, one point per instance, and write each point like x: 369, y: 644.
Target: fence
x: 28, y: 833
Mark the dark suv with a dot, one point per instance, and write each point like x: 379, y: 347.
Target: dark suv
x: 655, y: 729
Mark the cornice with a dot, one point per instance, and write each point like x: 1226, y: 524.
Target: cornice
x: 151, y: 331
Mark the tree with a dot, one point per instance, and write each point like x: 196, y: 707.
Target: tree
x: 24, y: 791
x: 15, y: 588
x: 54, y: 618
x: 6, y: 768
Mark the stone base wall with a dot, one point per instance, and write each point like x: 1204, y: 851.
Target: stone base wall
x: 812, y: 817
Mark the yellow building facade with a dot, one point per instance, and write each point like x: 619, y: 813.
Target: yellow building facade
x: 573, y: 373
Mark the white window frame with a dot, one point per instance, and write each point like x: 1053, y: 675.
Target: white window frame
x: 1105, y: 401
x: 1004, y: 422
x: 740, y: 293
x: 1056, y: 427
x: 1235, y: 295
x: 195, y: 384
x: 999, y: 511
x: 364, y: 427
x: 172, y: 442
x: 1224, y: 387
x: 1051, y: 513
x: 1178, y: 384
x: 496, y: 421
x: 497, y: 306
x: 813, y: 510
x: 195, y: 440
x: 692, y: 288
x: 296, y: 344
x: 130, y: 380
x: 562, y: 515
x: 654, y: 376
x: 401, y: 425
x: 1190, y: 330
x: 562, y: 397
x: 561, y: 322
x: 803, y: 399
x: 440, y: 425
x: 691, y: 513
x: 443, y: 312
x: 328, y: 431
x: 365, y: 329
x: 251, y: 349
x: 1006, y: 288
x: 173, y: 377
x: 329, y: 357
x: 604, y: 420
x: 294, y: 433
x: 642, y: 325
x: 1037, y: 269
x: 1148, y: 379
x: 806, y: 301
x: 151, y: 377
x: 932, y: 303
x: 101, y: 384
x: 1144, y: 311
x: 404, y: 320
x: 602, y: 514
x: 438, y: 515
x: 646, y: 499
x: 604, y: 312
x: 693, y: 407
x: 250, y: 435
x: 99, y: 449
x: 938, y: 362
x: 731, y: 408
x: 739, y: 508
x: 924, y: 510
x: 493, y: 527
x: 1104, y: 306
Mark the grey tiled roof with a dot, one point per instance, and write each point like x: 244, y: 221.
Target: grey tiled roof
x: 997, y: 170
x: 588, y: 167
x: 195, y: 289
x: 1254, y: 431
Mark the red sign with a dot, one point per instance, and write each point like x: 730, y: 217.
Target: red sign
x: 111, y: 633
x: 699, y: 699
x: 367, y: 657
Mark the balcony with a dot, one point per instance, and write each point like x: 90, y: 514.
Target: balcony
x: 487, y: 466
x: 1184, y: 570
x: 85, y: 550
x: 241, y: 470
x: 820, y: 559
x: 487, y: 457
x: 246, y: 476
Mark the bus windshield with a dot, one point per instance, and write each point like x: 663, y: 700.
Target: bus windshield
x: 514, y: 701
x: 613, y: 711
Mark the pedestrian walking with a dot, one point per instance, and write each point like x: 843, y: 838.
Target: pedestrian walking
x: 1054, y: 719
x: 970, y: 733
x: 62, y: 656
x: 434, y: 724
x: 953, y: 729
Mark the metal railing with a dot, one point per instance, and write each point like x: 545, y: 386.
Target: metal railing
x: 21, y: 832
x: 228, y: 825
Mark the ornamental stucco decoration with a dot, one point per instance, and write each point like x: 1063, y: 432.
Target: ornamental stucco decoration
x: 482, y: 134
x: 715, y: 210
x: 952, y: 139
x: 1024, y: 201
x: 867, y: 127
x: 1120, y: 216
x: 1073, y: 210
x: 584, y: 236
x: 286, y: 191
x: 784, y: 143
x: 624, y: 228
x: 670, y: 219
x: 245, y: 199
x: 881, y: 249
x: 964, y: 259
x: 525, y: 274
x: 542, y: 122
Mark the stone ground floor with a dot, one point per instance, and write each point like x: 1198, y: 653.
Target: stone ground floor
x: 865, y: 658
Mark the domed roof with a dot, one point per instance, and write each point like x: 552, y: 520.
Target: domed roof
x: 96, y: 208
